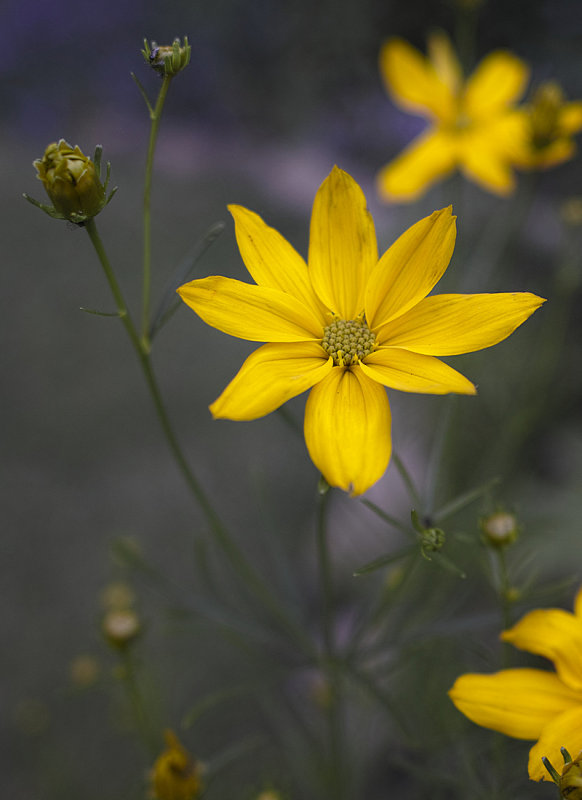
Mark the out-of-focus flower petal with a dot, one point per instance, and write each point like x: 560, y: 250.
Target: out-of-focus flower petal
x: 563, y: 730
x: 413, y: 82
x: 516, y: 702
x: 497, y: 82
x: 427, y: 159
x: 554, y: 634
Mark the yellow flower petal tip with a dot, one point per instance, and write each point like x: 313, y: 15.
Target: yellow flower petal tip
x: 345, y: 324
x: 474, y: 125
x: 532, y: 703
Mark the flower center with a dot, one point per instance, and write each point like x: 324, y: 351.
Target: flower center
x: 348, y: 341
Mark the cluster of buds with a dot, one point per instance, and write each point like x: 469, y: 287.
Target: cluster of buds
x: 73, y: 182
x: 176, y: 775
x: 120, y: 624
x: 167, y: 60
x: 570, y: 781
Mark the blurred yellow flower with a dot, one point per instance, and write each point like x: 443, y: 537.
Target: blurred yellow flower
x: 176, y: 776
x: 474, y: 126
x: 347, y: 324
x: 534, y: 703
x: 549, y: 123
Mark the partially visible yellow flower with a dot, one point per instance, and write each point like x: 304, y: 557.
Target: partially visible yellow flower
x: 347, y: 324
x: 473, y: 127
x: 534, y: 703
x: 71, y: 180
x: 549, y: 123
x: 176, y: 776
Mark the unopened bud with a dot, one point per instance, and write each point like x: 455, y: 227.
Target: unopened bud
x: 120, y: 627
x: 167, y: 60
x: 72, y: 182
x: 499, y: 529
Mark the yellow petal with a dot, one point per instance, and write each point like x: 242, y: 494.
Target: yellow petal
x: 516, y: 702
x: 487, y: 161
x: 554, y: 634
x: 347, y: 429
x: 445, y: 61
x: 257, y: 313
x: 570, y: 118
x: 578, y: 604
x: 269, y: 377
x: 342, y: 244
x: 427, y: 159
x: 565, y: 730
x: 411, y: 267
x: 271, y: 260
x: 413, y: 82
x: 555, y: 153
x: 411, y: 372
x: 498, y: 81
x: 449, y: 324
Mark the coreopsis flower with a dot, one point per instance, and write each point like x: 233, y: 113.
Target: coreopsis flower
x: 346, y: 324
x: 473, y: 126
x: 176, y: 775
x: 72, y: 182
x: 534, y: 703
x: 549, y: 124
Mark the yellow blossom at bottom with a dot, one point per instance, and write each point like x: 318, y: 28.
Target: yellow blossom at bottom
x: 533, y: 703
x: 346, y: 324
x: 176, y: 776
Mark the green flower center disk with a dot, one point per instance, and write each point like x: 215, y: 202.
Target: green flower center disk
x: 348, y: 341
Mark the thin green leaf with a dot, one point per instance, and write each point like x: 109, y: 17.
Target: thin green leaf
x: 395, y: 523
x: 463, y: 500
x: 143, y: 94
x: 446, y: 564
x: 102, y: 313
x: 383, y: 561
x: 233, y: 753
x: 211, y: 701
x: 169, y: 304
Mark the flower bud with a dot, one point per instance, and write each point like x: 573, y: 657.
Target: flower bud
x: 499, y: 529
x: 72, y: 182
x: 570, y: 782
x: 167, y: 60
x: 120, y: 627
x: 176, y: 776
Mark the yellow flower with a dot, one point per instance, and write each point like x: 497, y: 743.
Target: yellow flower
x: 346, y: 325
x: 176, y: 776
x: 474, y: 126
x: 549, y: 123
x: 534, y: 703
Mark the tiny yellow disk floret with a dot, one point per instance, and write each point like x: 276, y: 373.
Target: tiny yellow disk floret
x: 348, y: 341
x: 176, y: 776
x: 71, y: 181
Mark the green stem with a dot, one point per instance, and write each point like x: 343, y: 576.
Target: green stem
x: 237, y: 559
x: 155, y: 116
x: 337, y: 777
x: 138, y: 708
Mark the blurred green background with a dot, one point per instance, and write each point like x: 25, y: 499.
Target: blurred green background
x: 276, y: 93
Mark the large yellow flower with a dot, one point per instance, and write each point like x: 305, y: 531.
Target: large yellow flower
x: 534, y: 703
x: 473, y: 124
x: 347, y: 325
